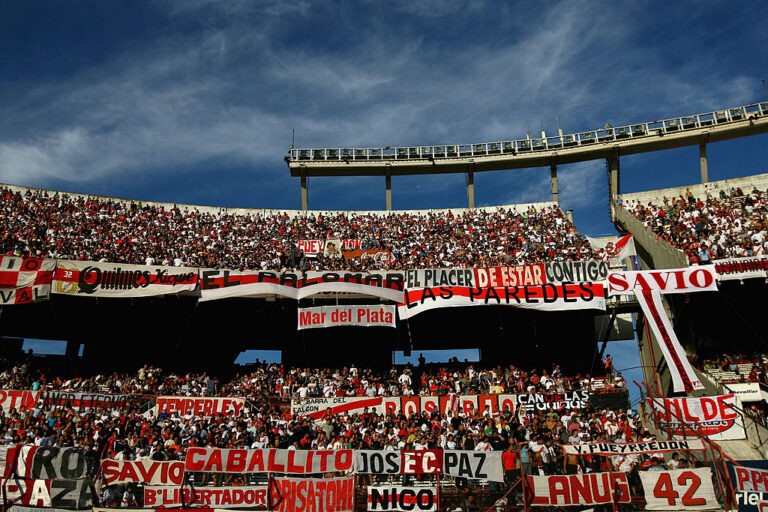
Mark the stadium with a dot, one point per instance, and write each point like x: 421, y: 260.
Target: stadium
x: 337, y: 425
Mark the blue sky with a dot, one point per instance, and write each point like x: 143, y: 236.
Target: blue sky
x: 195, y: 101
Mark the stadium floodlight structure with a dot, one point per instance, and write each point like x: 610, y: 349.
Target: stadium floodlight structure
x: 608, y: 142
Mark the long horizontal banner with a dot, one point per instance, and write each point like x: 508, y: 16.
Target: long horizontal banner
x: 24, y: 280
x: 318, y: 408
x: 712, y: 416
x: 202, y: 406
x: 92, y: 279
x: 545, y: 297
x: 457, y: 463
x: 146, y: 471
x: 80, y: 401
x: 681, y: 489
x: 315, y: 494
x: 676, y: 280
x: 586, y: 489
x: 267, y: 460
x: 250, y: 497
x: 742, y: 268
x: 380, y: 315
x: 223, y: 284
x: 622, y: 448
x: 405, y: 499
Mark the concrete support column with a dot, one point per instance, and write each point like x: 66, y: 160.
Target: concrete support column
x: 471, y: 187
x: 388, y: 193
x: 553, y: 179
x: 614, y: 180
x: 304, y: 195
x: 703, y: 160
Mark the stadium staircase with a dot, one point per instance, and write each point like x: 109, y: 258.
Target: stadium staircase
x: 654, y: 251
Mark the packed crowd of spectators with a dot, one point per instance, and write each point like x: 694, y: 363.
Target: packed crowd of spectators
x: 721, y: 224
x: 54, y: 225
x: 736, y: 368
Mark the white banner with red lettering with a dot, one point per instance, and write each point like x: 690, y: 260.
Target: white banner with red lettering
x: 238, y: 496
x: 19, y: 400
x: 224, y: 284
x: 25, y: 280
x: 680, y: 489
x: 671, y: 280
x: 742, y: 268
x: 267, y: 460
x: 202, y: 406
x: 316, y: 494
x: 147, y: 471
x: 318, y: 408
x: 380, y: 315
x: 93, y: 279
x: 749, y: 479
x: 545, y: 297
x: 681, y: 371
x: 580, y: 490
x: 712, y: 416
x: 407, y: 499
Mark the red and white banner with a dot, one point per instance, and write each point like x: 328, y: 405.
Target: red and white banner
x: 318, y: 408
x: 79, y: 401
x: 24, y: 280
x: 380, y: 315
x: 317, y: 494
x: 750, y: 479
x: 399, y: 462
x: 581, y: 490
x: 267, y: 460
x: 250, y: 497
x: 681, y: 371
x: 675, y: 280
x: 313, y: 248
x: 742, y: 268
x: 19, y: 400
x: 623, y: 448
x: 63, y: 494
x: 546, y: 297
x: 402, y: 498
x: 92, y: 279
x: 45, y: 463
x: 712, y: 416
x: 224, y: 284
x: 198, y: 405
x: 473, y: 465
x: 680, y: 489
x: 147, y: 471
x: 615, y: 249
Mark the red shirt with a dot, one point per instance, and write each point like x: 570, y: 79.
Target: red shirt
x: 509, y: 460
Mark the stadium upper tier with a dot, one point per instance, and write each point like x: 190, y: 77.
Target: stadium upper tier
x: 65, y: 226
x: 532, y: 152
x: 725, y: 219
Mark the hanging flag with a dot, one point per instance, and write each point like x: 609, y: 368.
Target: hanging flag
x: 616, y: 249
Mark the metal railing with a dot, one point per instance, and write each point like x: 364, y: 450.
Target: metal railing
x: 530, y: 145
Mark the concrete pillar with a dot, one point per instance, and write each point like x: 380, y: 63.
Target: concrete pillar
x: 471, y: 187
x: 614, y: 180
x: 553, y: 179
x: 388, y: 193
x: 304, y: 195
x: 703, y: 160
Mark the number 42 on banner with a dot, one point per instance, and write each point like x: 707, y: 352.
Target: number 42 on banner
x: 688, y: 489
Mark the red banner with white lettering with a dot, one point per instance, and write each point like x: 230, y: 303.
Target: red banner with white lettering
x: 316, y: 494
x: 680, y: 489
x: 586, y: 489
